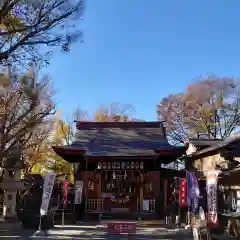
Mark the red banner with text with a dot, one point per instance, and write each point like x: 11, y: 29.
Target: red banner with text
x: 183, y: 192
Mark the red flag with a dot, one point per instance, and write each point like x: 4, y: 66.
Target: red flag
x: 65, y: 193
x: 183, y: 192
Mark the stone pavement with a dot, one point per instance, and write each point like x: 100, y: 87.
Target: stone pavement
x: 92, y: 231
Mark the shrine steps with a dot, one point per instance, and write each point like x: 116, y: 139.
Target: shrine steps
x: 89, y: 217
x: 119, y: 216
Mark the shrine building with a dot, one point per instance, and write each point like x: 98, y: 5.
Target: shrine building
x: 119, y: 164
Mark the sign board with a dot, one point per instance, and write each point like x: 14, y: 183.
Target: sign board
x: 78, y: 192
x: 47, y: 192
x: 211, y: 186
x: 117, y: 228
x: 145, y: 205
x: 183, y: 192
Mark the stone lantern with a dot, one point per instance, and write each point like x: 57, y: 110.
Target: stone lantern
x: 11, y: 184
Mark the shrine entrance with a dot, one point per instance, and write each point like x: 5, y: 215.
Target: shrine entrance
x: 119, y: 167
x: 120, y: 190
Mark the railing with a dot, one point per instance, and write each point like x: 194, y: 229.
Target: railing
x: 96, y: 205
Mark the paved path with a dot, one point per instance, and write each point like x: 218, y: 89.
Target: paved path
x: 94, y: 231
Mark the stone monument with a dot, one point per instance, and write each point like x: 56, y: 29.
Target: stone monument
x: 11, y: 184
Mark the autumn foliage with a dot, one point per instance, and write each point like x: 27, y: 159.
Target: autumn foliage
x: 208, y: 108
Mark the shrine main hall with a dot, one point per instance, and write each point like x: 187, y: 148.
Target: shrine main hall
x: 119, y: 164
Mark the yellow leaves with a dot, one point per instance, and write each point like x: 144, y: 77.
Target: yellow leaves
x: 11, y: 24
x: 60, y: 136
x: 101, y: 117
x: 61, y: 133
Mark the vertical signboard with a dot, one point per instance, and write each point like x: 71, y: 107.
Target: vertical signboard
x: 183, y: 192
x: 211, y: 187
x: 47, y: 192
x: 78, y: 192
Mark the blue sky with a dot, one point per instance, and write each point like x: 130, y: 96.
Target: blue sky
x: 138, y: 51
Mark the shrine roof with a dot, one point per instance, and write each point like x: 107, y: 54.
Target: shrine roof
x: 204, y: 142
x: 120, y: 139
x: 231, y: 141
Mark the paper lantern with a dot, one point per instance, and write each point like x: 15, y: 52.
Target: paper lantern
x: 99, y: 165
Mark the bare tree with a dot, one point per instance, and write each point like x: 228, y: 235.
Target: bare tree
x: 209, y: 108
x: 110, y: 111
x: 29, y: 28
x: 80, y: 115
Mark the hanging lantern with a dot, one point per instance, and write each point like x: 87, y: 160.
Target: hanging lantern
x: 104, y: 165
x: 127, y: 165
x: 132, y: 165
x: 118, y: 165
x: 109, y: 165
x: 113, y: 166
x: 99, y: 165
x: 141, y: 165
x: 137, y: 165
x: 114, y: 175
x: 125, y: 175
x: 123, y: 165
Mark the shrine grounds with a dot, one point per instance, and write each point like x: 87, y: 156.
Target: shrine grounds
x: 92, y: 231
x: 87, y: 231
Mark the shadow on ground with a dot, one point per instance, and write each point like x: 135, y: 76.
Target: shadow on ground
x: 93, y: 231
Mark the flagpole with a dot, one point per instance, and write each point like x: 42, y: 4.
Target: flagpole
x: 63, y: 217
x: 188, y: 212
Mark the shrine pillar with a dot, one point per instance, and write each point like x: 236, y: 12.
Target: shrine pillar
x: 141, y: 192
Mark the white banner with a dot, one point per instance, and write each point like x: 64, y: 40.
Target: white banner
x: 78, y: 192
x: 211, y: 187
x: 47, y: 192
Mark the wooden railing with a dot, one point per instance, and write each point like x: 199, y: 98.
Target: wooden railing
x: 96, y: 205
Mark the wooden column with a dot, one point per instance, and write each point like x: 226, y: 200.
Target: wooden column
x: 141, y: 190
x: 86, y: 185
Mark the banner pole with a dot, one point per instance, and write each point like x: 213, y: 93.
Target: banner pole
x: 188, y: 211
x: 40, y: 223
x: 46, y: 196
x: 63, y: 217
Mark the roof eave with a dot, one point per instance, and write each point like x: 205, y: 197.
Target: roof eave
x: 173, y: 150
x: 64, y: 150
